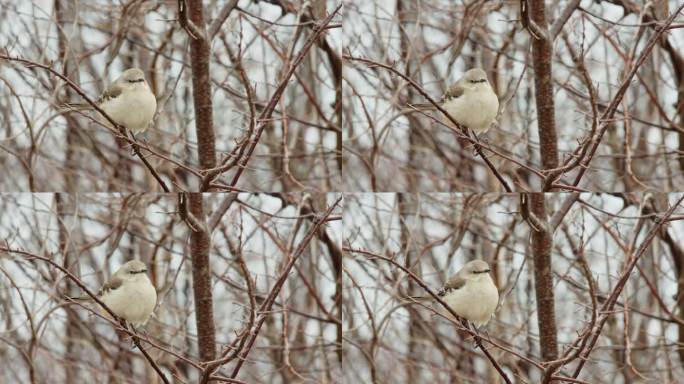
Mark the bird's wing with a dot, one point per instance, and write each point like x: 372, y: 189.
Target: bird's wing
x: 454, y: 91
x: 112, y: 91
x: 455, y: 282
x: 112, y: 284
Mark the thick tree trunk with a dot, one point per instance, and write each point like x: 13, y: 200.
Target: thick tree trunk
x: 200, y: 244
x: 201, y: 88
x: 542, y: 245
x: 542, y: 233
x: 200, y: 239
x: 542, y: 58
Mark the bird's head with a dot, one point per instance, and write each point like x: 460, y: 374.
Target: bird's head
x: 475, y: 270
x: 132, y: 270
x: 475, y: 78
x: 133, y: 78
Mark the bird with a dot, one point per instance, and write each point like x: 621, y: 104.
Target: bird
x: 471, y: 293
x: 470, y: 101
x: 128, y: 101
x: 129, y: 293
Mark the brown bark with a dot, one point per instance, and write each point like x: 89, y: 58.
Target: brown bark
x: 200, y: 244
x: 542, y: 59
x: 542, y: 233
x: 201, y: 88
x: 542, y: 245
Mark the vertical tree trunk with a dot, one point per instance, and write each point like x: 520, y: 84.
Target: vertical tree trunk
x: 200, y: 244
x: 201, y: 88
x: 542, y: 245
x: 542, y: 237
x: 542, y: 58
x: 200, y: 240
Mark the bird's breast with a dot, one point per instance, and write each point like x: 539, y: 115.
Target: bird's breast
x: 475, y: 109
x: 133, y: 109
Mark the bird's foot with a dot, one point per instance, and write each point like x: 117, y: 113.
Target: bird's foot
x: 477, y: 332
x: 134, y: 143
x: 478, y: 146
x: 136, y: 332
x: 478, y: 142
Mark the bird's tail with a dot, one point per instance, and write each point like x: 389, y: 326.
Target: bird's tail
x: 417, y: 298
x: 78, y: 298
x: 422, y: 106
x: 68, y: 107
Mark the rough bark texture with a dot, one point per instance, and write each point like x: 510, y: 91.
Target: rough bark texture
x: 200, y: 243
x: 542, y: 58
x: 542, y: 238
x: 201, y: 89
x: 542, y: 245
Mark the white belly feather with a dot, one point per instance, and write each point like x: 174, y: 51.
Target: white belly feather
x: 134, y: 302
x: 134, y: 110
x: 476, y: 109
x: 475, y: 301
